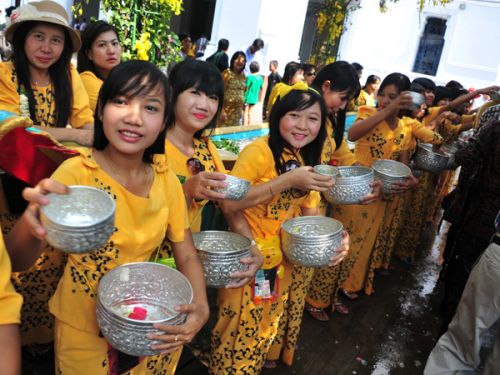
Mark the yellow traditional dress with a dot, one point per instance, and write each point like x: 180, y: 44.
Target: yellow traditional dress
x: 39, y: 282
x: 10, y: 301
x: 365, y: 99
x: 92, y: 85
x: 380, y: 143
x: 246, y: 329
x: 234, y: 91
x: 141, y: 224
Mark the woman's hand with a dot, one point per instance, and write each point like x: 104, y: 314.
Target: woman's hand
x: 305, y: 179
x: 408, y: 183
x: 174, y: 337
x: 375, y: 194
x: 36, y: 198
x: 488, y: 90
x: 342, y: 251
x: 254, y: 261
x: 201, y: 185
x: 403, y: 101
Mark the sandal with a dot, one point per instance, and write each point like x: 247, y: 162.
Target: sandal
x: 270, y: 364
x: 340, y: 308
x: 349, y: 295
x: 318, y: 314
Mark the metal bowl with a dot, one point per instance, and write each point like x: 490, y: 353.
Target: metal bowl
x: 80, y: 221
x: 220, y: 254
x: 390, y: 172
x: 429, y: 160
x: 150, y: 286
x: 417, y: 100
x: 352, y: 184
x: 236, y: 188
x: 326, y: 170
x: 311, y: 241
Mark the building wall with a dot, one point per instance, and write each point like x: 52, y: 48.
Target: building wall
x: 278, y: 22
x: 384, y: 43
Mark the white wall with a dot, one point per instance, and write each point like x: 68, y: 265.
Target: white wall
x: 385, y: 43
x: 278, y: 22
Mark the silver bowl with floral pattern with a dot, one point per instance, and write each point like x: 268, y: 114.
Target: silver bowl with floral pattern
x: 390, y: 172
x: 429, y: 160
x: 133, y: 297
x: 220, y: 254
x: 311, y: 241
x: 236, y: 188
x: 80, y: 221
x: 351, y: 185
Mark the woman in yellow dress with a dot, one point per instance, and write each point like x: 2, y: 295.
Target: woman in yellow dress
x: 234, y: 90
x: 100, y: 52
x: 368, y: 92
x: 381, y: 134
x: 339, y: 83
x: 283, y: 185
x: 294, y: 73
x: 127, y: 161
x: 40, y: 82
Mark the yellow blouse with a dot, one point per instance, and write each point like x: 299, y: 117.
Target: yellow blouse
x: 365, y: 99
x: 206, y: 152
x: 417, y: 130
x: 382, y: 142
x: 338, y: 157
x: 80, y: 115
x: 431, y: 116
x: 256, y: 164
x: 10, y: 301
x: 141, y: 224
x: 92, y: 85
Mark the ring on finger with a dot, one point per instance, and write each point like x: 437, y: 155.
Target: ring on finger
x: 176, y: 338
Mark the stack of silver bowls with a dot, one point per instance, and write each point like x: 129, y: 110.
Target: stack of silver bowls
x: 311, y: 241
x: 428, y: 160
x: 150, y: 286
x: 80, y: 221
x: 390, y: 172
x: 236, y: 188
x: 351, y: 185
x: 220, y: 254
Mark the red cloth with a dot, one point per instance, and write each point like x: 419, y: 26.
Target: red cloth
x: 31, y: 157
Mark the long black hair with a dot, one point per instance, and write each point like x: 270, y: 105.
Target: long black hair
x: 233, y: 59
x: 296, y: 100
x: 290, y: 69
x: 89, y: 35
x: 202, y: 76
x: 131, y: 79
x: 342, y: 77
x: 59, y: 72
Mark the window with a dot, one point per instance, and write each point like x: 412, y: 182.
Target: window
x: 430, y: 47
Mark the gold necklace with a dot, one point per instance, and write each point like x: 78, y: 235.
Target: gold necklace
x: 119, y: 179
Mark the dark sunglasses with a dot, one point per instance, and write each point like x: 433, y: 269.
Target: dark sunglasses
x: 195, y: 166
x: 289, y: 166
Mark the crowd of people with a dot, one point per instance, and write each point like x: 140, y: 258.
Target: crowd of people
x: 144, y: 138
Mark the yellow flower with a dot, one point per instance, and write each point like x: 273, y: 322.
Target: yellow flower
x: 143, y: 45
x: 321, y: 21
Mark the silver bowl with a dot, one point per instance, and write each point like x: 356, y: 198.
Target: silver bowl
x: 151, y: 286
x: 220, y: 254
x: 390, y: 172
x: 351, y: 185
x: 236, y: 188
x: 417, y: 100
x: 311, y: 241
x: 429, y: 160
x: 80, y: 221
x: 326, y: 170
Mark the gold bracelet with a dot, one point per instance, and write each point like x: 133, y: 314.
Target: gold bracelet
x: 271, y: 189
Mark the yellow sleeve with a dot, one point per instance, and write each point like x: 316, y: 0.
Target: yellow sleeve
x: 364, y: 112
x: 9, y: 97
x: 178, y: 220
x: 273, y: 96
x: 431, y: 116
x: 344, y: 156
x: 81, y: 114
x: 10, y: 301
x: 423, y: 134
x: 92, y: 86
x: 219, y: 165
x: 255, y: 161
x: 71, y: 171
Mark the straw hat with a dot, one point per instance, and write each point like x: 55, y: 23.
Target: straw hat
x: 42, y: 11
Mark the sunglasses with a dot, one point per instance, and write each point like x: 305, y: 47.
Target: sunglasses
x: 289, y: 166
x: 195, y: 166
